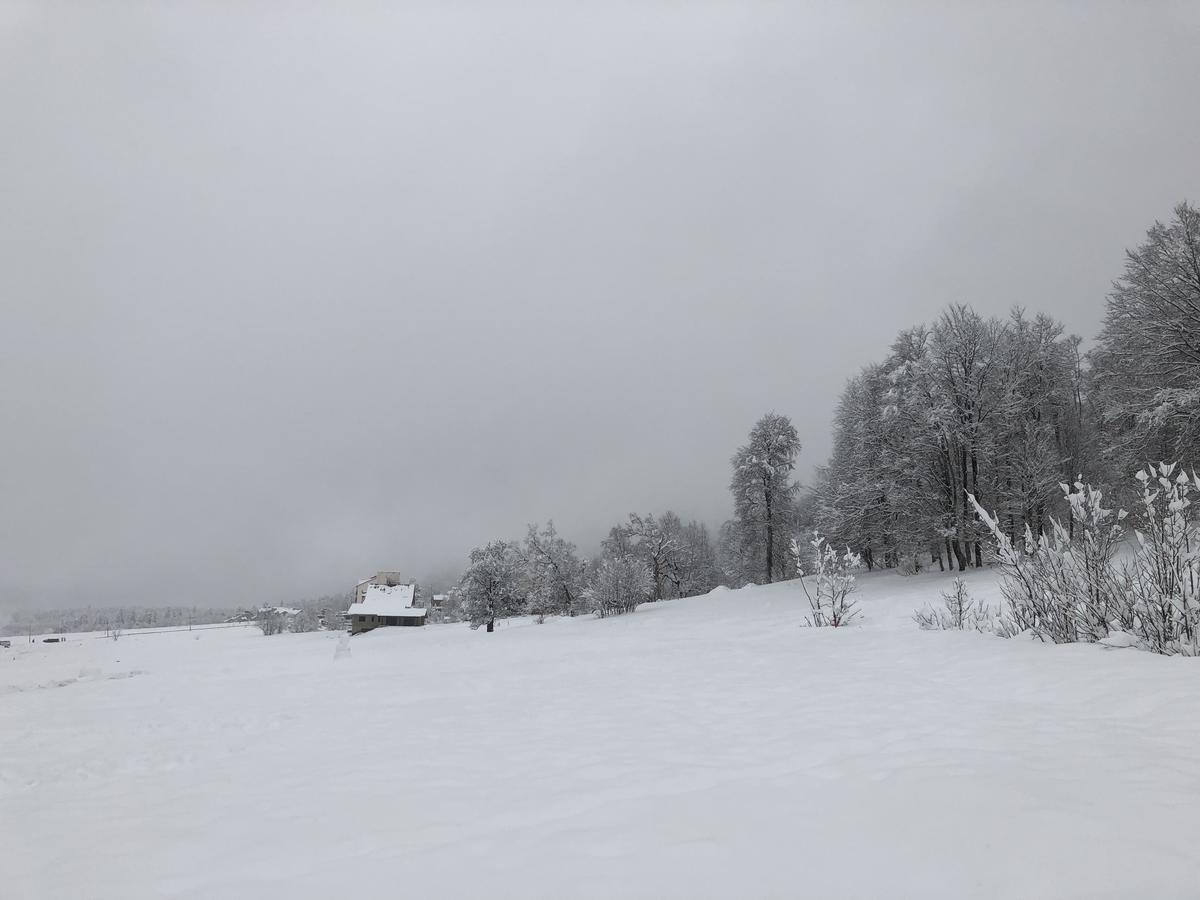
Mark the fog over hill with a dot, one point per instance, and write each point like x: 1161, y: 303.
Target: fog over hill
x: 285, y: 300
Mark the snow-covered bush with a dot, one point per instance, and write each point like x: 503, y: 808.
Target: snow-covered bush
x: 304, y: 621
x: 832, y: 582
x: 1065, y: 586
x: 271, y: 622
x: 619, y: 584
x: 960, y: 612
x: 1062, y: 585
x: 1164, y: 577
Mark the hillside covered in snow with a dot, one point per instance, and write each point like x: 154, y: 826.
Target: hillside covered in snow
x: 703, y: 747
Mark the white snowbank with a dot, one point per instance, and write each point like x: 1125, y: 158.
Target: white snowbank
x: 698, y: 748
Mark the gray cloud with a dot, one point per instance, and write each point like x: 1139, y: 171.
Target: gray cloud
x: 286, y: 298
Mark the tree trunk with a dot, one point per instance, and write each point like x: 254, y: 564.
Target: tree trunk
x: 491, y: 625
x: 770, y: 535
x: 975, y: 475
x: 962, y: 468
x: 1012, y: 524
x: 979, y: 497
x: 958, y: 554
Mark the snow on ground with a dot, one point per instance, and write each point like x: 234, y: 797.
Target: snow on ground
x: 708, y: 747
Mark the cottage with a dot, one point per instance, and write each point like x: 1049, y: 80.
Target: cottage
x: 383, y: 605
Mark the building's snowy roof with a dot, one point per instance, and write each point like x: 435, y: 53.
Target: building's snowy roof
x: 407, y: 612
x: 385, y: 600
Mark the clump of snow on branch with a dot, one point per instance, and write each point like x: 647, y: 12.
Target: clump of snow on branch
x: 832, y: 581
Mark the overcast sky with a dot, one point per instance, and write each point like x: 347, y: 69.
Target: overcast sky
x: 286, y: 298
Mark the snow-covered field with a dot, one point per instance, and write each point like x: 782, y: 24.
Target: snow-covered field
x: 708, y: 747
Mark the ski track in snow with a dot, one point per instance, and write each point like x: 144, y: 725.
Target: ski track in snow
x: 707, y: 747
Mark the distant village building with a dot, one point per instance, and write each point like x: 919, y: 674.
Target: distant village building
x: 387, y: 579
x: 385, y: 600
x: 437, y: 607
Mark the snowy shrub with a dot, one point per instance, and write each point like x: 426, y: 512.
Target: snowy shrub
x: 1164, y: 577
x: 833, y: 582
x: 619, y: 585
x: 960, y: 612
x: 909, y: 564
x: 304, y: 621
x: 271, y: 622
x: 959, y: 605
x: 1064, y: 586
x: 928, y: 619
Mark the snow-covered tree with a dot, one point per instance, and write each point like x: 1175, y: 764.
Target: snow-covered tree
x: 492, y: 585
x: 658, y: 542
x: 764, y: 493
x: 271, y: 622
x: 731, y: 560
x: 553, y: 573
x: 983, y: 406
x: 1146, y: 364
x: 619, y: 584
x: 681, y: 558
x: 305, y: 620
x: 698, y: 572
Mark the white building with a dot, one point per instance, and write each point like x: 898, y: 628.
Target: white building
x: 388, y: 578
x: 383, y: 605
